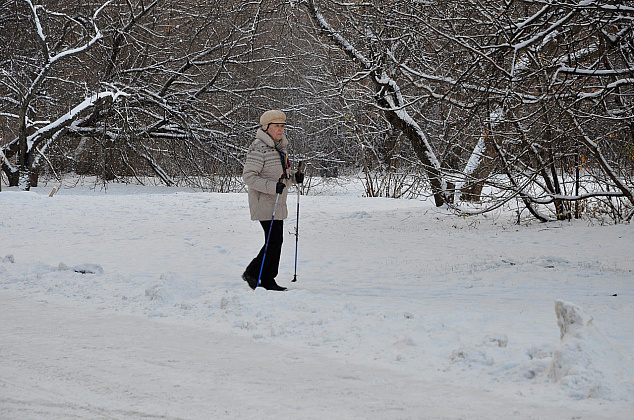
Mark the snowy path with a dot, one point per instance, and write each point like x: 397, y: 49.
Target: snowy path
x: 123, y: 367
x: 401, y: 311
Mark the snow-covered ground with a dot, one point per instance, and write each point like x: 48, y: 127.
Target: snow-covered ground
x: 127, y: 303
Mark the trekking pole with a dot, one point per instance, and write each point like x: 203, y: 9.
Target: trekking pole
x: 268, y: 237
x: 299, y: 170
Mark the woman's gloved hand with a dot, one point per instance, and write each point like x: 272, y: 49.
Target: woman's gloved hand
x: 299, y: 177
x: 279, y: 188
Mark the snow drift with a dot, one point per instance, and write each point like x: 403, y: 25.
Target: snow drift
x: 585, y: 363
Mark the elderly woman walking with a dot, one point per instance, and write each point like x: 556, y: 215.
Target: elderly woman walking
x: 267, y: 173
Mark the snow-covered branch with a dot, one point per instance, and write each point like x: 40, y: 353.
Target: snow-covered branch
x: 347, y: 47
x: 557, y: 197
x: 6, y: 162
x: 70, y: 117
x: 595, y: 72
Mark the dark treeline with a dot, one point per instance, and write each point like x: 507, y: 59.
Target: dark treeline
x: 476, y: 104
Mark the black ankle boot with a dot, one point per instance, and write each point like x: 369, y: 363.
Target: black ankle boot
x: 253, y: 282
x: 270, y: 284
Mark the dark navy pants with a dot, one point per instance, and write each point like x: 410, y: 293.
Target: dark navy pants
x: 273, y: 252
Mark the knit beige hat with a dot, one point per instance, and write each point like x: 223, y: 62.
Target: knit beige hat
x: 272, y: 116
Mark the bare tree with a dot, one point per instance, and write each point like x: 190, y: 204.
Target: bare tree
x: 124, y: 89
x: 372, y: 57
x: 28, y: 85
x: 498, y: 94
x: 495, y: 102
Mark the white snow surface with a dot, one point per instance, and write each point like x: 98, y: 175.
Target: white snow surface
x: 127, y: 303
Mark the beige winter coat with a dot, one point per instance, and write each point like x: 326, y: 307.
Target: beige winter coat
x: 262, y: 170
